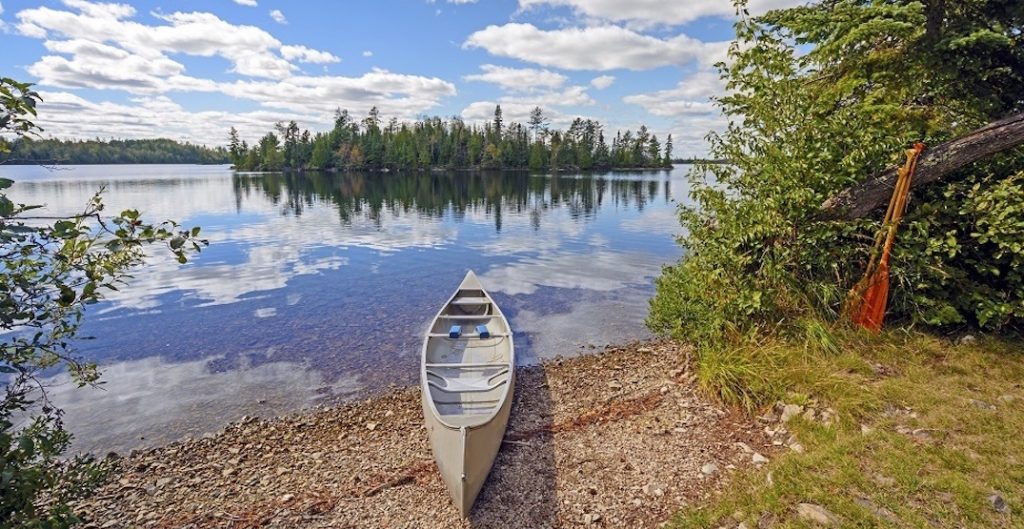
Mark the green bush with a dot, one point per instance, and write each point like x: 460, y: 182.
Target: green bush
x: 820, y: 98
x: 53, y: 268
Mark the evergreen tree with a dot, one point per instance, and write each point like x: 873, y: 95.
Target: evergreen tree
x: 235, y: 150
x: 498, y: 122
x: 537, y: 121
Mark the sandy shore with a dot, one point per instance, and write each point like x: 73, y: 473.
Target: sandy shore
x: 615, y: 439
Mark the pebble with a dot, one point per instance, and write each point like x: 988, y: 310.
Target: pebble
x: 881, y: 512
x: 789, y: 411
x: 758, y: 459
x: 651, y: 489
x: 816, y: 514
x: 278, y: 468
x: 999, y: 504
x: 982, y: 405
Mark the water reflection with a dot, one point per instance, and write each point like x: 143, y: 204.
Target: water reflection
x: 436, y: 195
x: 316, y: 279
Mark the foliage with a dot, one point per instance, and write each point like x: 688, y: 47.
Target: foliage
x: 54, y: 268
x: 52, y: 151
x: 819, y: 98
x: 452, y: 144
x: 17, y: 108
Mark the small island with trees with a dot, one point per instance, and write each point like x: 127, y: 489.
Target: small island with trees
x: 434, y: 143
x: 28, y: 150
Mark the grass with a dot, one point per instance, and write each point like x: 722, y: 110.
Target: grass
x: 868, y: 468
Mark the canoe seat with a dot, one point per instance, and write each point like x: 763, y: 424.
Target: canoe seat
x: 468, y: 384
x: 468, y: 335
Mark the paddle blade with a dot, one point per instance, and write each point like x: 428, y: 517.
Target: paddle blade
x: 870, y: 312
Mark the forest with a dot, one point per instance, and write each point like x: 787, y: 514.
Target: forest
x: 29, y: 151
x: 450, y: 144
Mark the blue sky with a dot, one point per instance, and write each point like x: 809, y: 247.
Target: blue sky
x: 190, y: 70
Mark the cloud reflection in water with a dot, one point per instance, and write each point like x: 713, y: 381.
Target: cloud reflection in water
x: 316, y: 281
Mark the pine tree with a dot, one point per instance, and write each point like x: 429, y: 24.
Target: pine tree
x: 498, y: 122
x: 537, y: 121
x: 235, y: 148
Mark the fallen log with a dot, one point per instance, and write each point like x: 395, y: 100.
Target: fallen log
x: 935, y: 163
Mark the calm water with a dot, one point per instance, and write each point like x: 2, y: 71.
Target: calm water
x: 317, y: 287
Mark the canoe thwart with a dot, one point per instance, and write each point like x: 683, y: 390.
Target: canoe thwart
x: 467, y: 336
x: 471, y: 301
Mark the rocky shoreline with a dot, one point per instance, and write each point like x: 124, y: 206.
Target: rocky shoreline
x: 619, y: 438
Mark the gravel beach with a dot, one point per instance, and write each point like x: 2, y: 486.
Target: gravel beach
x: 619, y: 438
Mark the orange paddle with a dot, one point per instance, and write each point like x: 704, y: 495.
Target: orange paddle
x: 868, y: 298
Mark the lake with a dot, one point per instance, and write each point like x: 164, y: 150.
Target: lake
x: 317, y: 287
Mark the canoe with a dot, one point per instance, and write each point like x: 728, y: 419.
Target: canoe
x: 467, y: 376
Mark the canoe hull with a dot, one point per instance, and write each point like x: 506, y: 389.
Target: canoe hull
x: 465, y: 455
x: 467, y: 377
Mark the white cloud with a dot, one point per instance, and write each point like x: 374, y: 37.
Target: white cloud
x: 690, y: 96
x: 367, y: 53
x: 248, y: 48
x: 99, y: 46
x: 278, y: 16
x: 518, y: 79
x: 480, y: 111
x: 690, y: 108
x: 591, y: 48
x: 603, y: 81
x: 304, y: 54
x: 571, y: 96
x: 658, y: 12
x: 247, y: 3
x: 66, y: 115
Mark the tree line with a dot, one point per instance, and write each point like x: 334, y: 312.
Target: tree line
x: 449, y: 144
x: 27, y: 150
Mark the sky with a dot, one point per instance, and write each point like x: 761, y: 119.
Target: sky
x: 190, y: 70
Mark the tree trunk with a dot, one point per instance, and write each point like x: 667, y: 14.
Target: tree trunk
x: 935, y: 163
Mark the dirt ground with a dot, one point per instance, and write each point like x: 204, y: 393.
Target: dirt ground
x: 615, y: 439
